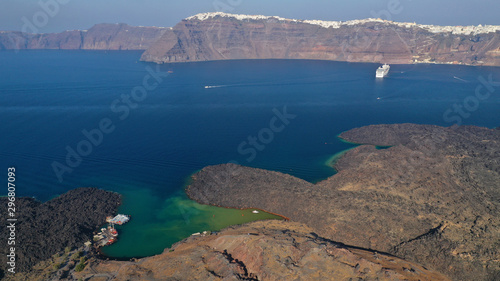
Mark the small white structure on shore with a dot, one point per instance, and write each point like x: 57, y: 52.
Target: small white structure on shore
x: 119, y: 219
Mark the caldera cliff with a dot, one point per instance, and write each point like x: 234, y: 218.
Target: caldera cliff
x: 221, y: 36
x: 99, y: 37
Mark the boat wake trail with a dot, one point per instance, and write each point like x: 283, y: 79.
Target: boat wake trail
x: 216, y: 86
x: 321, y: 79
x: 458, y: 78
x: 389, y: 97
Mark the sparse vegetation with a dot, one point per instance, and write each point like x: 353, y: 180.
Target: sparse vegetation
x: 76, y: 255
x: 79, y: 267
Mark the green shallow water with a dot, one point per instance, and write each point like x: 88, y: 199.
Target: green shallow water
x: 330, y: 162
x: 156, y: 224
x: 182, y: 127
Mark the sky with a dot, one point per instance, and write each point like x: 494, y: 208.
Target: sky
x: 42, y: 16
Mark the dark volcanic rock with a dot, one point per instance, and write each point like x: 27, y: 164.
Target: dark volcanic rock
x: 433, y: 197
x: 272, y: 250
x: 44, y: 229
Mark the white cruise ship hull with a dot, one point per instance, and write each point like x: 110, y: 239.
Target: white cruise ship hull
x: 382, y: 71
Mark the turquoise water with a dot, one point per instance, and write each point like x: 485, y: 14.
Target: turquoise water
x: 49, y: 97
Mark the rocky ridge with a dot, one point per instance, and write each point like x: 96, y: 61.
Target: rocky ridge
x: 272, y: 250
x: 433, y: 197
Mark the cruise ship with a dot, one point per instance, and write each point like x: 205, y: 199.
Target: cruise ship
x: 382, y: 71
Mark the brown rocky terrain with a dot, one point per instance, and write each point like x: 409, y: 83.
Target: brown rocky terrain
x: 433, y: 197
x: 272, y: 250
x: 228, y: 37
x: 99, y: 37
x: 426, y: 208
x: 44, y: 229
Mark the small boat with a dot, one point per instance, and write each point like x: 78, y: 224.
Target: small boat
x: 118, y: 219
x: 113, y: 232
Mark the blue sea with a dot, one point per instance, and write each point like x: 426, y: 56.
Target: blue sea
x: 156, y: 138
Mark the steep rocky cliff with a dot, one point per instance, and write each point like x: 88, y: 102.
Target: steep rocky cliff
x: 219, y: 36
x: 433, y: 197
x: 99, y: 37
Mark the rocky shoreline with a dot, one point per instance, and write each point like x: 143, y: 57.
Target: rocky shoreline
x: 67, y: 221
x: 432, y: 197
x: 426, y: 208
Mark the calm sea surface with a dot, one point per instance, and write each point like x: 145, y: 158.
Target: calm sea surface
x: 48, y: 98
